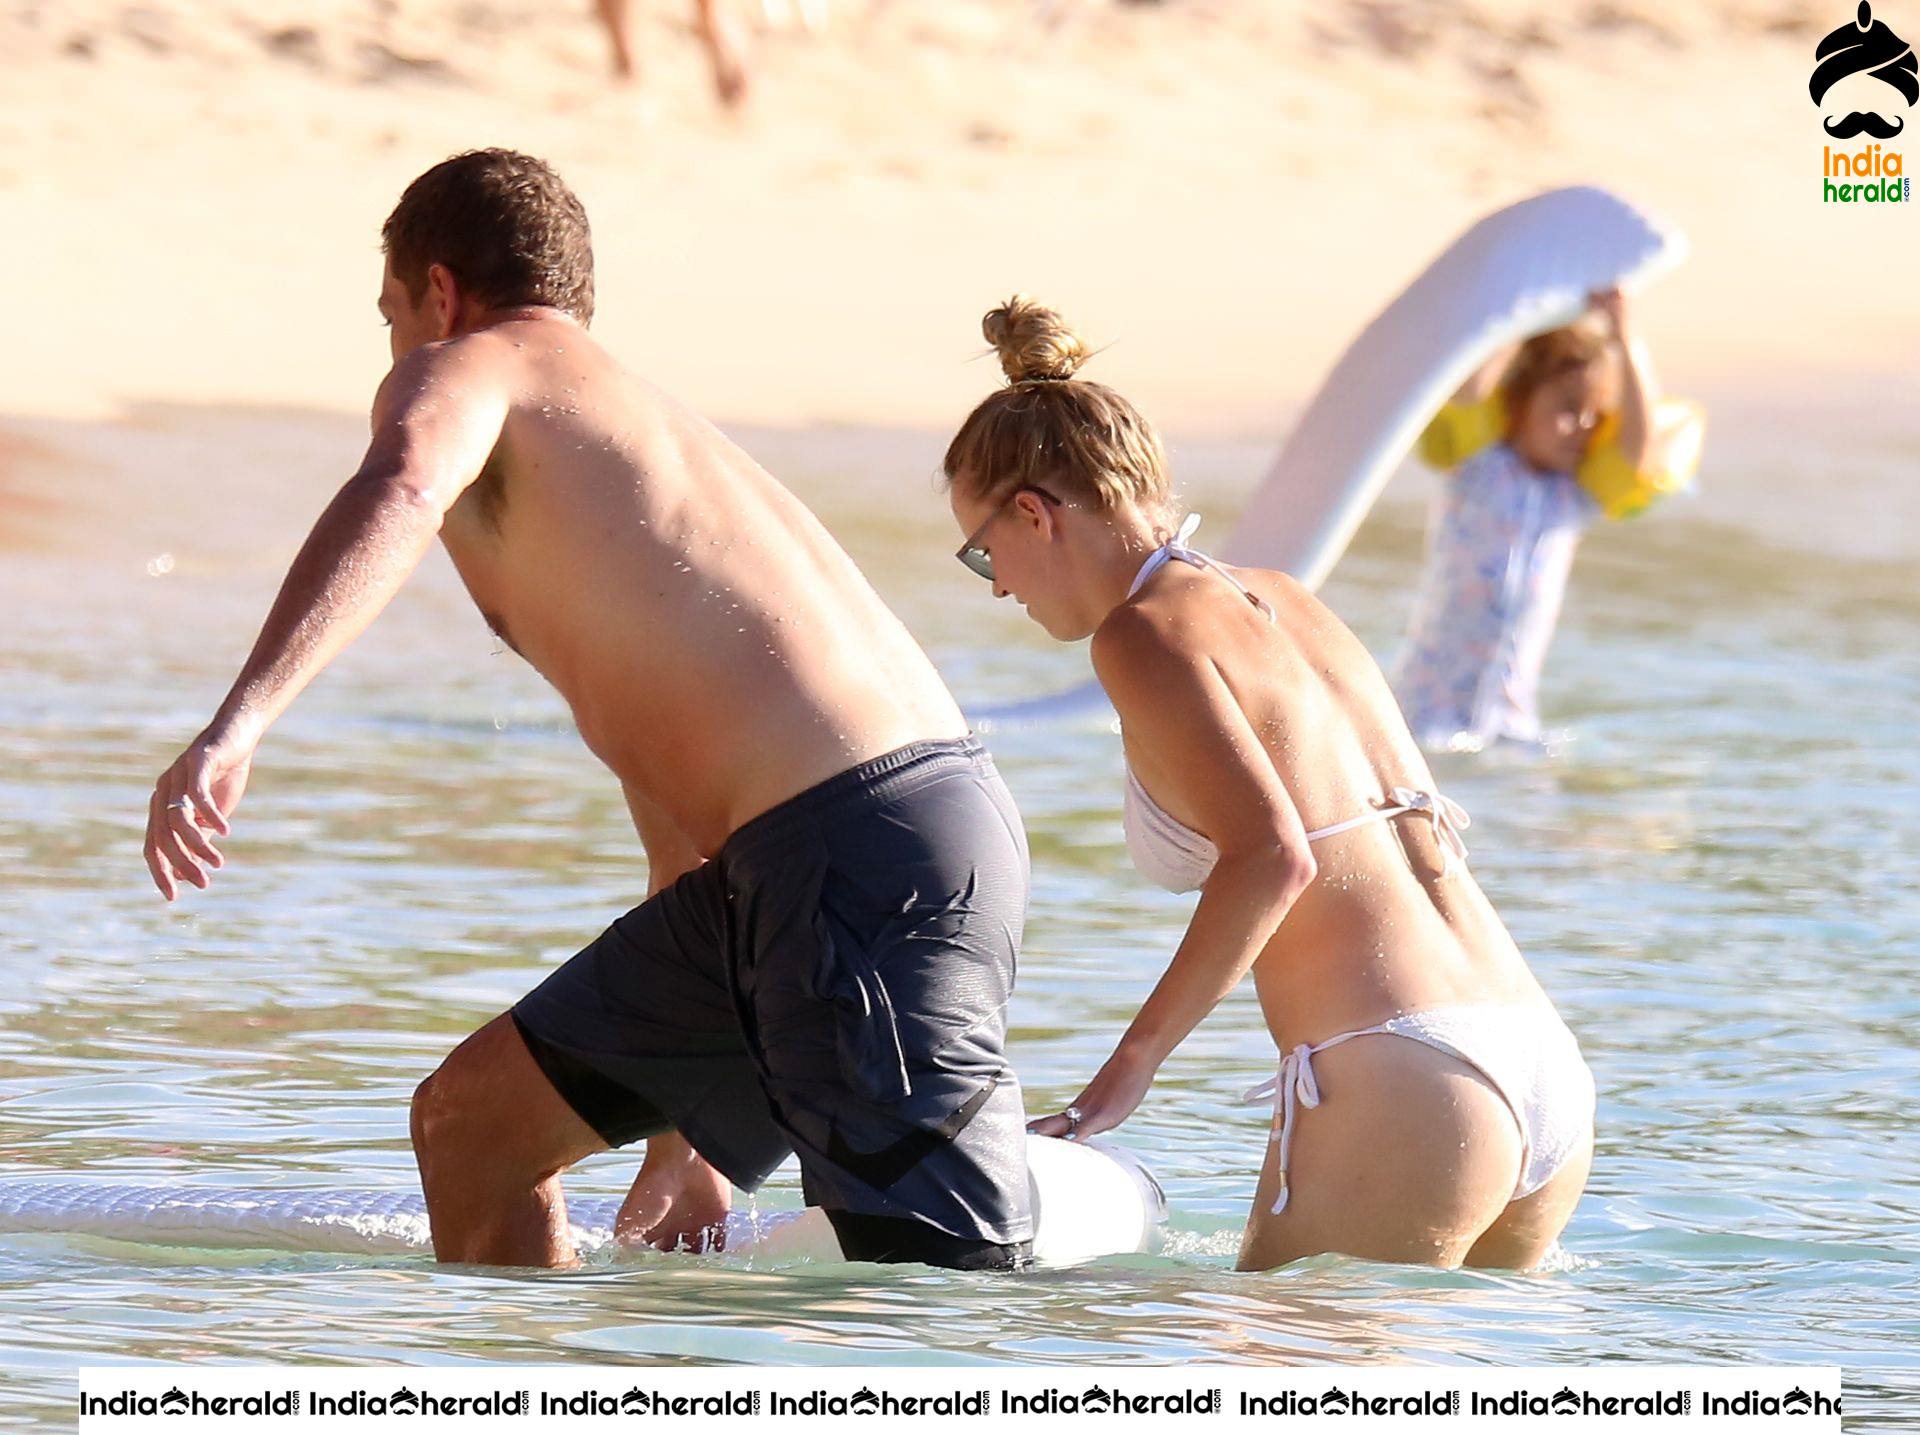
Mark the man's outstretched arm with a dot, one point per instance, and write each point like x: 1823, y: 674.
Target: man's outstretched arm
x: 435, y: 421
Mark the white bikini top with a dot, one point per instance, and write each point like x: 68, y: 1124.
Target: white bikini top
x: 1171, y: 854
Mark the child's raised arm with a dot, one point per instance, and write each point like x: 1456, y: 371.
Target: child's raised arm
x: 1639, y: 390
x: 1482, y: 383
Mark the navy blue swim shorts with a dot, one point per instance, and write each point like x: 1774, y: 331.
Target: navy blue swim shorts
x: 834, y: 982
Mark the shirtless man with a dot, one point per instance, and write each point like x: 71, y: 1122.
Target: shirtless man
x: 838, y: 876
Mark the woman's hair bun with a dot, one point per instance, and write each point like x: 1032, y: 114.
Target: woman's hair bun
x: 1033, y: 342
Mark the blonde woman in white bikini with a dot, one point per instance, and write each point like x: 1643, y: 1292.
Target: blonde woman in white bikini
x: 1430, y: 1105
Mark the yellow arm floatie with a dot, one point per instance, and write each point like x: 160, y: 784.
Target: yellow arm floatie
x: 1459, y: 431
x: 1673, y: 457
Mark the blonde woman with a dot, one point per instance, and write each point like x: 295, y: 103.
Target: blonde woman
x: 1430, y: 1105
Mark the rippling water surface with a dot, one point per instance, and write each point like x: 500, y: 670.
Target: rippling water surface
x: 1715, y: 881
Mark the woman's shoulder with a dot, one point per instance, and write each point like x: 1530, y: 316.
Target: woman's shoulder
x: 1179, y: 625
x: 1142, y: 632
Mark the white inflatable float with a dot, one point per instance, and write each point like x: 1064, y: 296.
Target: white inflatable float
x: 1518, y: 272
x: 1089, y: 1200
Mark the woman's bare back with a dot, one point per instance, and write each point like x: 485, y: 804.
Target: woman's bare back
x: 1390, y: 924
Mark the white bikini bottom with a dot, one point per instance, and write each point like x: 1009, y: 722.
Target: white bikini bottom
x: 1525, y: 1052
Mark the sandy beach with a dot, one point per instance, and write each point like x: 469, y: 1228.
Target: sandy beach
x: 1220, y: 191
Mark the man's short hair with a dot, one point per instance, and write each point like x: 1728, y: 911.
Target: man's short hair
x: 505, y: 226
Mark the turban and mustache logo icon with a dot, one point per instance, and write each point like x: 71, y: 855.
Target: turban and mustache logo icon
x: 1868, y: 46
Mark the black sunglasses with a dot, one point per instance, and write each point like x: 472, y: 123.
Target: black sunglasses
x: 976, y: 558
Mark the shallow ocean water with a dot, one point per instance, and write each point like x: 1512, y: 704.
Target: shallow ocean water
x: 1714, y: 880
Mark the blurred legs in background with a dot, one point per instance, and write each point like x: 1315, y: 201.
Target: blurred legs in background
x: 617, y: 16
x: 716, y: 28
x: 808, y: 15
x: 725, y: 50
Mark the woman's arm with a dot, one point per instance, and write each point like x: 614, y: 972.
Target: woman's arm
x: 1205, y: 758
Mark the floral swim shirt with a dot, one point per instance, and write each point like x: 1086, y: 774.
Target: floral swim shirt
x: 1499, y: 552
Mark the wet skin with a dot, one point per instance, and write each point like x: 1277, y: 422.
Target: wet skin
x: 1253, y: 731
x: 719, y: 651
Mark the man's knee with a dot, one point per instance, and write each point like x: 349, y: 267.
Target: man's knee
x: 490, y: 1113
x: 435, y: 1117
x: 449, y: 1115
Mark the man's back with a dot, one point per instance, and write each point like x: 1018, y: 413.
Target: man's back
x: 758, y: 703
x: 719, y: 650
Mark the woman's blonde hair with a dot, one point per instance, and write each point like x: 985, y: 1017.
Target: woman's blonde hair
x: 1581, y: 345
x: 1048, y: 428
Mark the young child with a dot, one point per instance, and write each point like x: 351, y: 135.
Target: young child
x: 1540, y: 442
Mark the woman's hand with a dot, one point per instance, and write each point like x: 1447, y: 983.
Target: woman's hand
x: 1108, y: 1100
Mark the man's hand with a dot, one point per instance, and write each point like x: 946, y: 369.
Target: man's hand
x: 677, y: 1202
x: 191, y: 804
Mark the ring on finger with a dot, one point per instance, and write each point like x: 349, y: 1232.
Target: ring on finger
x: 181, y: 806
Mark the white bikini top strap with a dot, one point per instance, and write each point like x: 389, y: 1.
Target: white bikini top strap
x: 1448, y: 818
x: 1176, y: 548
